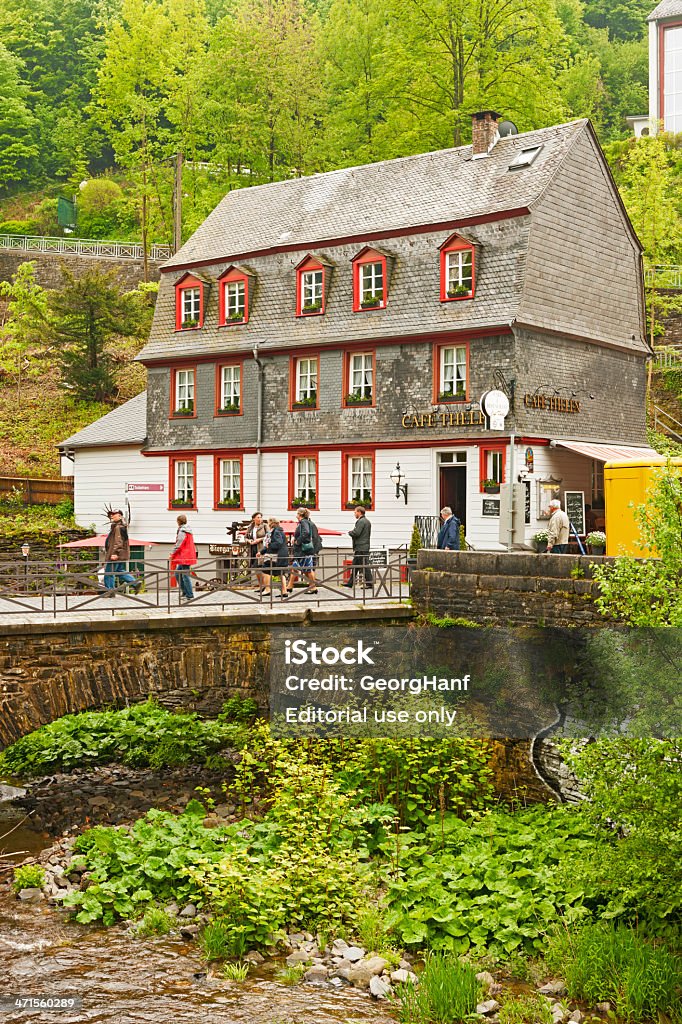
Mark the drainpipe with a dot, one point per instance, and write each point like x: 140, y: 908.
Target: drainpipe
x: 259, y: 427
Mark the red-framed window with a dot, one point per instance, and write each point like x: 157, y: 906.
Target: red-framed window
x: 310, y: 287
x: 229, y: 383
x: 457, y: 270
x: 182, y: 482
x: 233, y: 298
x: 450, y: 373
x: 303, y: 383
x: 304, y: 476
x: 492, y: 465
x: 228, y: 482
x: 182, y: 392
x: 357, y: 479
x: 370, y: 281
x: 359, y: 379
x: 189, y: 303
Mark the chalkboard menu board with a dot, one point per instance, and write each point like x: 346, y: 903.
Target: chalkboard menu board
x: 526, y: 516
x: 377, y: 558
x: 490, y: 507
x: 574, y: 503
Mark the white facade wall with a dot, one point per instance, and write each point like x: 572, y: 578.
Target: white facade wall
x: 102, y: 475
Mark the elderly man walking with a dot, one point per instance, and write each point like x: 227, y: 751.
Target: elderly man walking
x: 448, y: 535
x: 557, y: 531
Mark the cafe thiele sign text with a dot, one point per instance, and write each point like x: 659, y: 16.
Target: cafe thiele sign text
x: 552, y: 403
x: 460, y: 418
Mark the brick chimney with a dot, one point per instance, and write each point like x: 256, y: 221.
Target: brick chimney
x: 483, y: 132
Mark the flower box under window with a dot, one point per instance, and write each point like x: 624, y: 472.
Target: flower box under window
x: 491, y: 486
x: 358, y: 399
x: 182, y: 503
x: 312, y: 307
x: 451, y: 396
x: 233, y: 502
x: 365, y: 499
x: 187, y: 324
x: 229, y: 410
x: 234, y: 318
x: 306, y: 402
x: 304, y: 502
x: 370, y: 301
x: 185, y: 410
x: 460, y: 291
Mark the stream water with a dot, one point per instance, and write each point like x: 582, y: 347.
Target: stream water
x: 155, y: 981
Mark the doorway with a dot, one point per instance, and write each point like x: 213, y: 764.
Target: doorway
x: 453, y: 490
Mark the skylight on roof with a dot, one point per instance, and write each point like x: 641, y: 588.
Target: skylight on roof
x: 525, y: 158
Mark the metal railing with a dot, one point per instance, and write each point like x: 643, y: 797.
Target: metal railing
x: 84, y: 247
x: 668, y: 358
x: 58, y: 589
x: 664, y: 423
x: 663, y: 277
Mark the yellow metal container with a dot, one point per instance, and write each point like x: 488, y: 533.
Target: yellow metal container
x: 625, y: 487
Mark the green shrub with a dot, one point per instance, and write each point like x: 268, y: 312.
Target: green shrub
x: 217, y: 941
x: 154, y: 922
x: 447, y: 991
x: 238, y: 709
x: 28, y: 876
x: 141, y: 736
x: 606, y: 962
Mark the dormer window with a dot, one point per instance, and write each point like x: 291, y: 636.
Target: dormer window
x: 189, y: 303
x: 233, y: 297
x: 310, y: 287
x: 370, y: 281
x: 457, y: 267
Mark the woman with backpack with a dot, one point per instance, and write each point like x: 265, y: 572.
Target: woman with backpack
x: 307, y: 545
x: 274, y: 557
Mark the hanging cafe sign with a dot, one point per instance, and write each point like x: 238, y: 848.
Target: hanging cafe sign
x: 460, y: 418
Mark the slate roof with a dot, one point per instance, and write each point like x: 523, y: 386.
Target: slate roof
x: 126, y: 424
x: 428, y: 188
x: 666, y: 9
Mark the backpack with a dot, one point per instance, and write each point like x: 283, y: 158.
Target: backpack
x: 317, y: 540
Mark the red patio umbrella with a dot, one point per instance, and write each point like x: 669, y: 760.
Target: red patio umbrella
x: 289, y: 526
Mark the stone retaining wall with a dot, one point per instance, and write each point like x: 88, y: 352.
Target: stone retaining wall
x: 515, y: 589
x: 48, y: 266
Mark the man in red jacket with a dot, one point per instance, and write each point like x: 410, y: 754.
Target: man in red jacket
x: 183, y: 555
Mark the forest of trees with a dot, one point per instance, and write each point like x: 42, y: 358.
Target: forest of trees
x: 258, y: 90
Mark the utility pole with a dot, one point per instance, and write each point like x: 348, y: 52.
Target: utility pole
x: 177, y: 203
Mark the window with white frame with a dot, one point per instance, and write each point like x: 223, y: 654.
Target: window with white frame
x: 360, y: 378
x: 311, y: 290
x: 230, y: 388
x: 360, y: 480
x: 371, y: 283
x: 183, y: 478
x: 453, y: 372
x: 235, y: 300
x: 305, y: 483
x: 230, y: 483
x: 494, y: 466
x: 306, y: 382
x: 459, y: 272
x: 191, y: 307
x: 184, y: 392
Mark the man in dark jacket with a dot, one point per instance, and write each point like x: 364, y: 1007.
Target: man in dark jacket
x: 360, y: 535
x: 448, y: 535
x: 117, y: 553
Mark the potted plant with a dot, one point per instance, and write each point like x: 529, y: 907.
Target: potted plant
x: 189, y: 323
x: 450, y: 396
x: 370, y: 300
x: 234, y: 501
x: 182, y: 503
x: 458, y: 291
x: 364, y: 499
x: 491, y: 486
x: 301, y: 502
x: 311, y: 307
x: 596, y: 542
x: 235, y: 318
x: 357, y: 398
x: 412, y: 549
x: 185, y: 410
x: 229, y: 410
x: 306, y: 402
x: 540, y: 541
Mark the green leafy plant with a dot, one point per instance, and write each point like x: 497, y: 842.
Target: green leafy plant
x: 234, y: 501
x: 451, y: 395
x: 306, y: 402
x: 526, y: 1009
x: 217, y: 941
x: 307, y: 502
x: 607, y: 962
x: 372, y: 299
x: 28, y: 876
x: 154, y: 922
x: 189, y: 323
x: 597, y: 538
x: 359, y: 398
x: 184, y: 410
x: 238, y: 709
x: 235, y: 318
x: 364, y: 499
x: 312, y: 307
x: 447, y: 991
x: 577, y: 572
x: 458, y: 291
x: 291, y: 975
x: 415, y: 541
x: 238, y: 971
x: 490, y: 483
x: 230, y: 408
